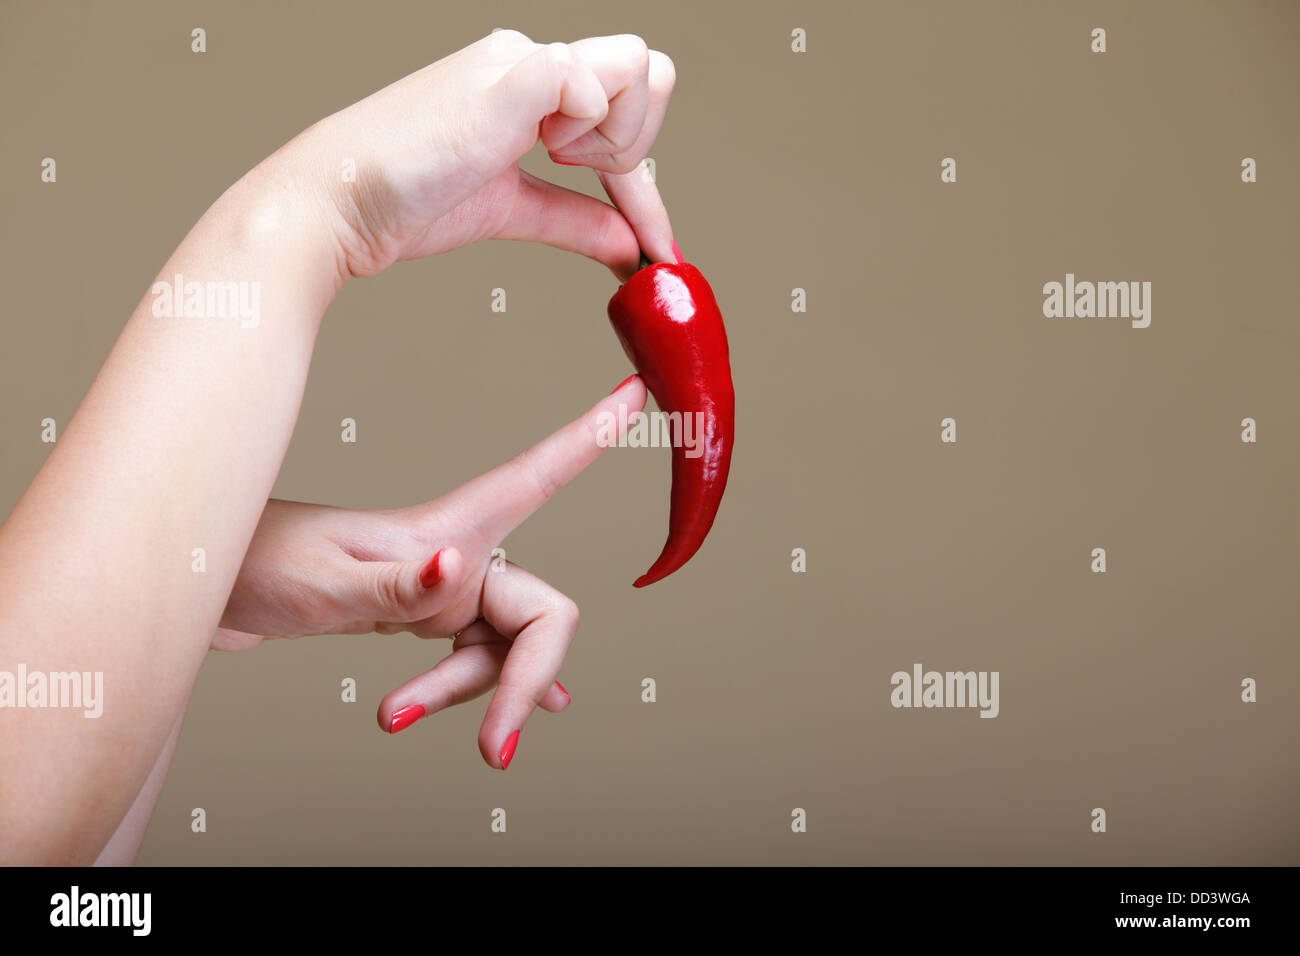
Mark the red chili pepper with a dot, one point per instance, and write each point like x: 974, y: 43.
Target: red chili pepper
x: 671, y: 329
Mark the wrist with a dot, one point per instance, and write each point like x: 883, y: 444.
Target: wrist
x: 335, y: 184
x: 282, y: 208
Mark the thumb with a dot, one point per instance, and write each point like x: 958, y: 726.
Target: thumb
x: 405, y: 591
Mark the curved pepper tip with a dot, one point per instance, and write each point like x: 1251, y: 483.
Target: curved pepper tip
x: 664, y: 566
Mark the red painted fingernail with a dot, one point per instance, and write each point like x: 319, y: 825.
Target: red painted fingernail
x: 678, y: 252
x: 431, y: 573
x: 563, y: 162
x: 405, y: 717
x: 563, y: 691
x: 508, y: 751
x: 624, y: 382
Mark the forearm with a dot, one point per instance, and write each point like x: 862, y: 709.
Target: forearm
x: 124, y: 844
x: 174, y: 448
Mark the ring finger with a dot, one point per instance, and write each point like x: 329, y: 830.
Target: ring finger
x: 469, y: 671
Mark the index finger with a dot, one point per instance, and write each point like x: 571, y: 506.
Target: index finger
x: 634, y: 193
x: 637, y: 197
x: 498, y: 502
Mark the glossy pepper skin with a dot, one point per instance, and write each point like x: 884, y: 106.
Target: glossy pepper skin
x: 671, y: 328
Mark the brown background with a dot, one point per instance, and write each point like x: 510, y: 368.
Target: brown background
x: 819, y: 171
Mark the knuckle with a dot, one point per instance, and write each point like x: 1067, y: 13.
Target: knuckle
x: 525, y: 690
x: 426, y: 527
x: 507, y: 37
x: 386, y: 590
x: 637, y: 50
x: 623, y: 162
x: 453, y: 692
x: 584, y: 425
x: 566, y: 610
x: 546, y: 483
x: 663, y: 70
x: 603, y: 236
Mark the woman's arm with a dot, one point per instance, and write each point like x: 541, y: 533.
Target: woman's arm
x: 175, y: 447
x: 177, y: 443
x: 124, y: 844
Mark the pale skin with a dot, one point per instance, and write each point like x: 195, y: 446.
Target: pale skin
x: 95, y: 559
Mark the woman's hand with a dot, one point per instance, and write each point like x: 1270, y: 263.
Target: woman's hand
x: 429, y: 569
x: 430, y: 163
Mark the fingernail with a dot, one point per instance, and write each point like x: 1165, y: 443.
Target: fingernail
x: 405, y: 717
x: 564, y: 162
x: 431, y: 573
x: 508, y: 751
x: 624, y: 382
x: 563, y: 691
x: 678, y: 252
